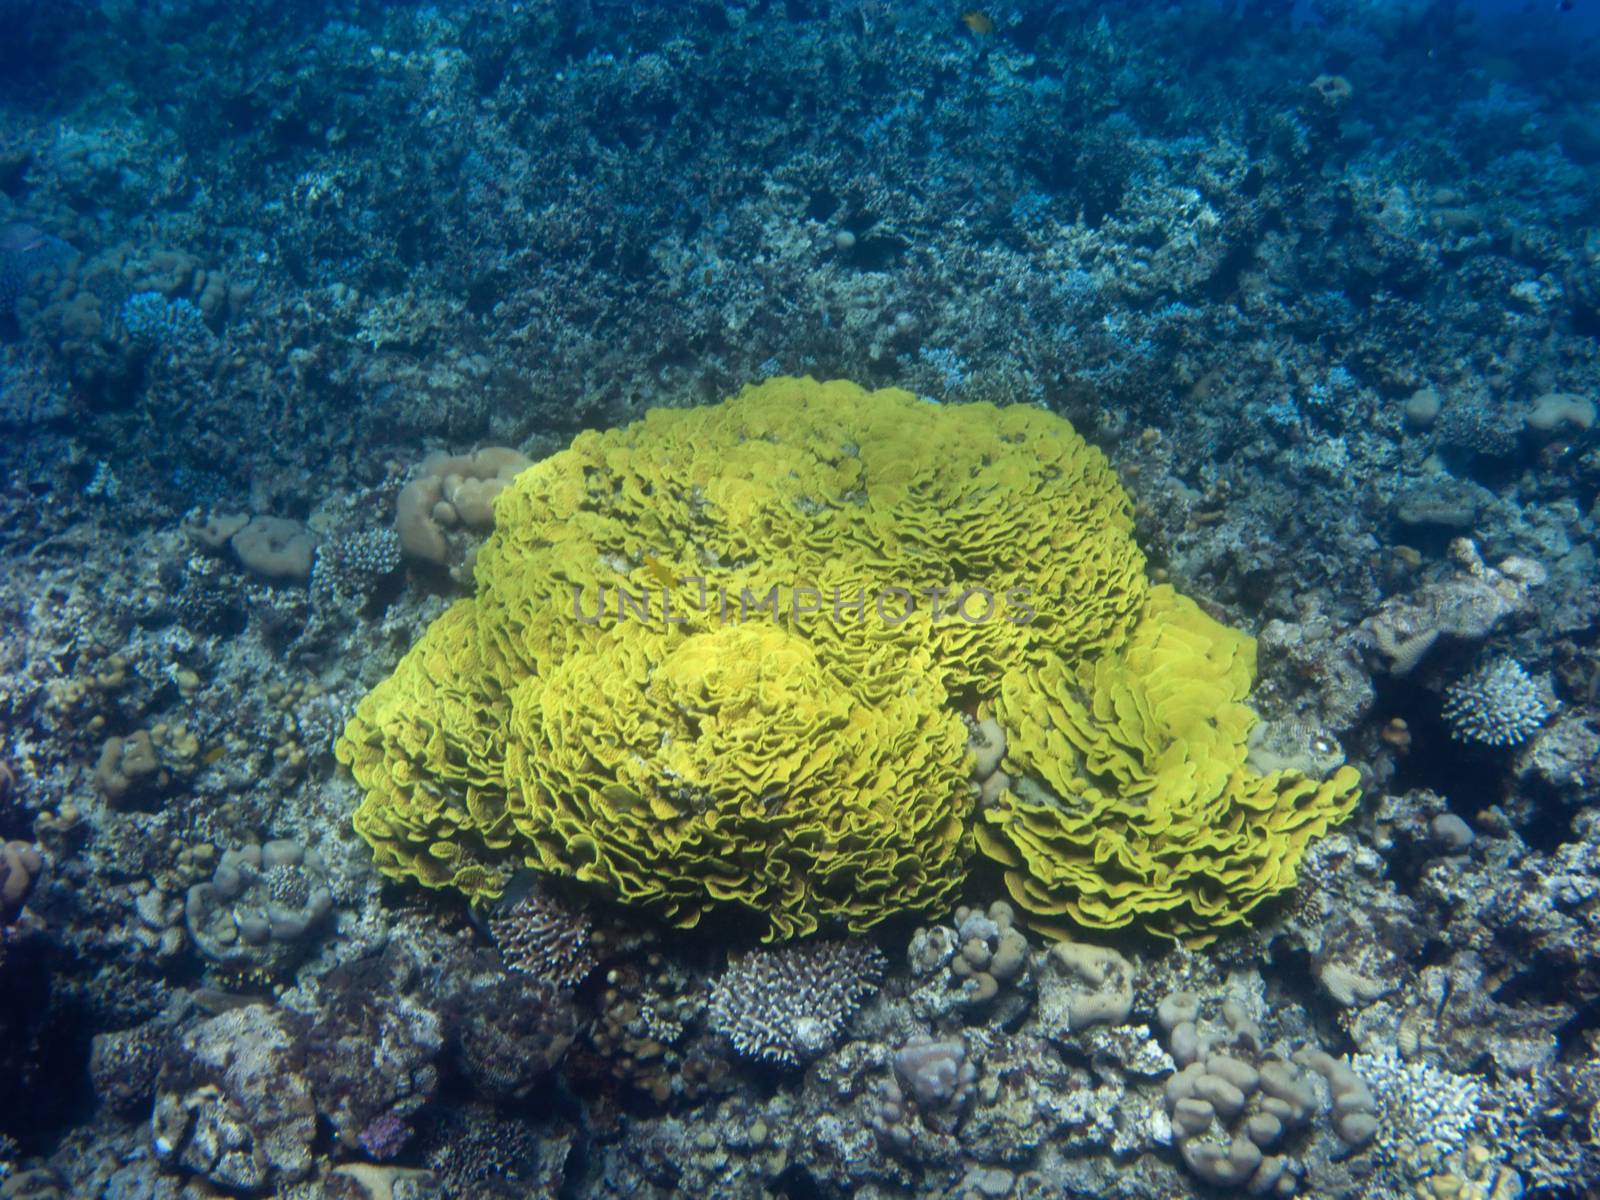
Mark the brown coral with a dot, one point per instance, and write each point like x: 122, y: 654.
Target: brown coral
x: 20, y: 864
x: 452, y: 491
x: 539, y: 936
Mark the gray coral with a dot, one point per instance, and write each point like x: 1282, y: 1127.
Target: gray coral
x: 1424, y: 1104
x: 933, y: 1080
x: 257, y: 911
x: 1496, y: 705
x: 789, y: 1006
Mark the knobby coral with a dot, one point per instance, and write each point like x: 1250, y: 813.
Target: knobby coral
x: 722, y: 659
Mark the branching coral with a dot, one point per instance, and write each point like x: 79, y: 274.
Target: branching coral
x: 789, y: 1005
x: 1496, y: 705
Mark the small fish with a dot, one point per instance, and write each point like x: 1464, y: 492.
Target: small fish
x: 25, y: 249
x: 21, y: 238
x: 977, y: 21
x: 659, y: 571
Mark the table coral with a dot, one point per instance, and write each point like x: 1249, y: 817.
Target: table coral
x: 723, y: 660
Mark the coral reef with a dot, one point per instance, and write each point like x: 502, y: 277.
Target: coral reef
x: 510, y: 1032
x: 231, y: 1105
x: 1316, y: 285
x: 371, y: 1052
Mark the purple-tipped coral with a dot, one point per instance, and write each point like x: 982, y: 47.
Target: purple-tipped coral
x: 384, y: 1136
x: 539, y: 936
x: 933, y: 1080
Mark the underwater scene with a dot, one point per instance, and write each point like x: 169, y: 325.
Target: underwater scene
x: 799, y: 599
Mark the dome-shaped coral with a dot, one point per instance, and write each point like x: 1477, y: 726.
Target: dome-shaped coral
x: 722, y: 659
x: 1497, y: 705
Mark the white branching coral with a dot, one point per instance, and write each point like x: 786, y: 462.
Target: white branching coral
x: 788, y: 1006
x: 1497, y: 705
x: 1422, y: 1103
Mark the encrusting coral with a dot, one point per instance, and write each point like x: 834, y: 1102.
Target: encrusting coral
x: 725, y: 658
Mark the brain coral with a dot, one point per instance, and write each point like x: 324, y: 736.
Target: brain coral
x: 723, y: 659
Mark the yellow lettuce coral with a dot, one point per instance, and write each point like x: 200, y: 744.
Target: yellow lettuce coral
x: 1130, y: 799
x: 736, y: 769
x: 723, y: 659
